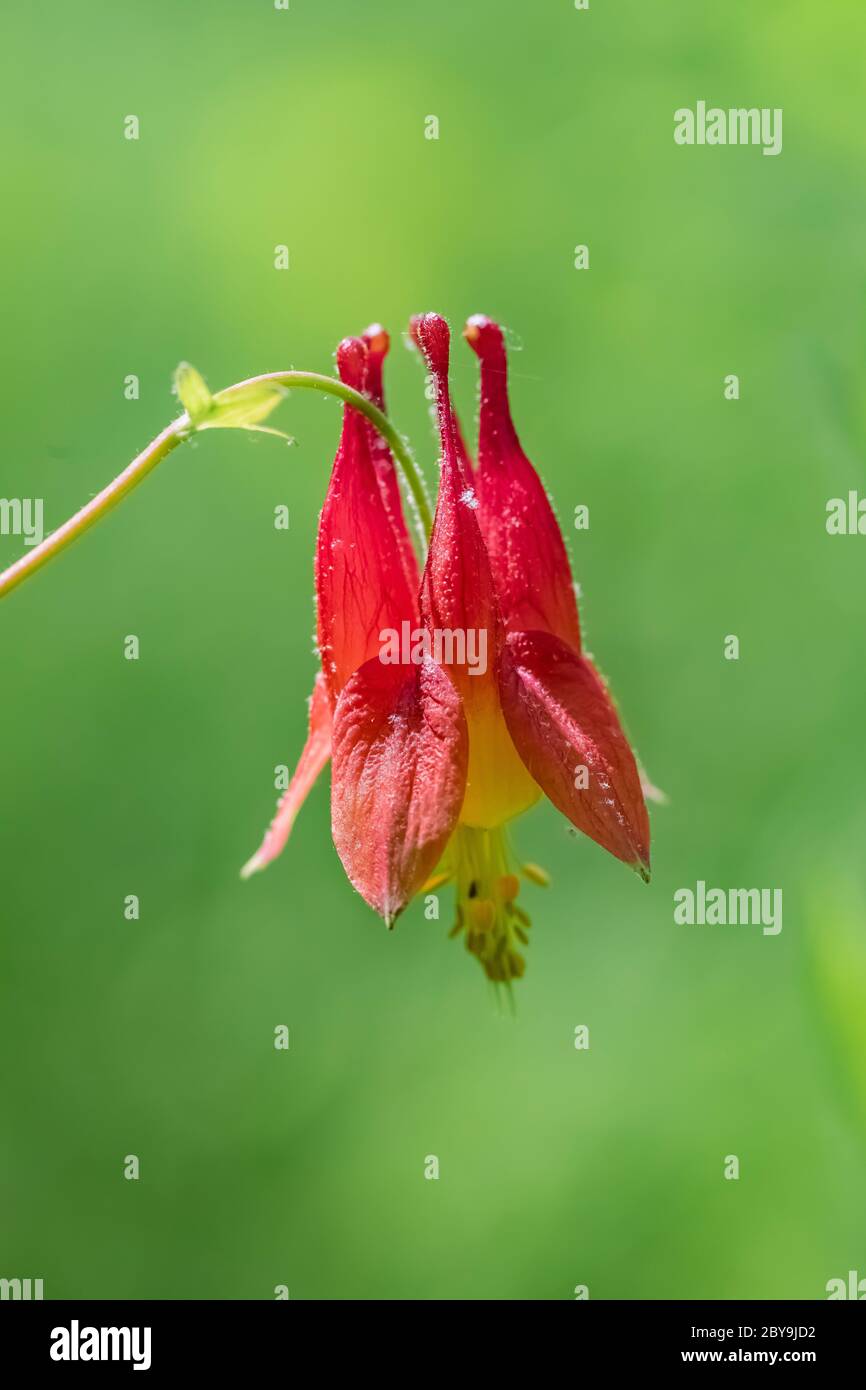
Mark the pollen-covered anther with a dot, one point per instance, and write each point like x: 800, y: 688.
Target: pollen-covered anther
x: 536, y: 874
x: 508, y: 887
x: 437, y: 881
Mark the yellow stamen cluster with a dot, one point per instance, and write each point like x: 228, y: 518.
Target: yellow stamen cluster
x: 487, y: 912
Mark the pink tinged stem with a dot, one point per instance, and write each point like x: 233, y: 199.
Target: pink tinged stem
x: 179, y: 431
x: 96, y: 508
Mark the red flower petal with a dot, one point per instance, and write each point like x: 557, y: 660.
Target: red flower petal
x: 462, y: 452
x: 400, y: 752
x: 457, y: 591
x: 527, y: 553
x: 316, y: 752
x: 562, y: 719
x: 458, y: 597
x: 361, y: 582
x: 377, y: 343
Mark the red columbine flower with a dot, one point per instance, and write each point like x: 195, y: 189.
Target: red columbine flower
x: 451, y: 706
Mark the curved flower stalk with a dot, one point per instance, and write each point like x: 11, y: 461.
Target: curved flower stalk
x: 242, y: 406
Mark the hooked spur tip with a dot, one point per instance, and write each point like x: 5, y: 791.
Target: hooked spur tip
x: 473, y: 327
x: 432, y: 335
x: 484, y: 336
x: 377, y: 340
x: 352, y: 362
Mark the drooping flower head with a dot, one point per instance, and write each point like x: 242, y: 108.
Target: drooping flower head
x: 451, y: 703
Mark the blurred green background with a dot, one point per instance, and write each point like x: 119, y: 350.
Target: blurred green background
x: 155, y: 777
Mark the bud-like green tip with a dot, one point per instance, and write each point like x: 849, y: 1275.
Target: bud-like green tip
x: 238, y: 408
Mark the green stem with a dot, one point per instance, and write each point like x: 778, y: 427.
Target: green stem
x: 314, y: 381
x: 179, y: 431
